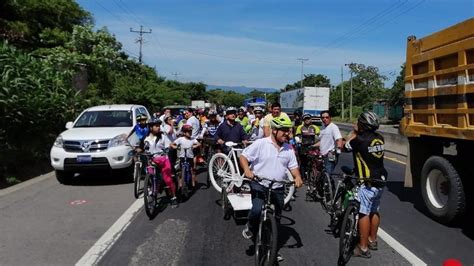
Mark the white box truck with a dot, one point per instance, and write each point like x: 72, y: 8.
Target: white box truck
x: 308, y: 100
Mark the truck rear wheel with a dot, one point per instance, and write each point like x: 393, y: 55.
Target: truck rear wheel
x: 442, y: 189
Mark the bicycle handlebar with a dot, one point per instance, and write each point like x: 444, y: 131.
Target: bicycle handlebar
x: 272, y: 181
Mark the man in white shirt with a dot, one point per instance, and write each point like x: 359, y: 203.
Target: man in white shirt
x: 192, y: 121
x: 270, y: 158
x: 330, y: 142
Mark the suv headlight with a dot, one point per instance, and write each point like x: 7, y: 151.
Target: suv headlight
x: 119, y: 140
x: 58, y: 142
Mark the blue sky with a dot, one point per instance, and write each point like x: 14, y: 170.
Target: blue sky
x: 256, y: 43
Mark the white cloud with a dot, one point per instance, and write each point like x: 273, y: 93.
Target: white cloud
x: 223, y: 60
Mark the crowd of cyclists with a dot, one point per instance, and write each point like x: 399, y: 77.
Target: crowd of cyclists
x: 278, y: 143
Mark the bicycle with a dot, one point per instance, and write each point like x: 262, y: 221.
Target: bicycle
x: 138, y: 171
x: 224, y: 172
x: 266, y: 241
x: 320, y: 183
x: 342, y: 194
x: 349, y: 234
x: 186, y: 174
x: 154, y: 186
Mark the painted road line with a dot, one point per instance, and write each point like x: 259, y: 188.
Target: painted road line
x: 395, y: 160
x: 107, y: 240
x: 403, y: 251
x: 21, y: 185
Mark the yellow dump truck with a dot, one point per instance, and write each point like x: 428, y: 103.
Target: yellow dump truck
x: 439, y: 119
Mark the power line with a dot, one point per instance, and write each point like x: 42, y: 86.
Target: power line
x: 140, y: 40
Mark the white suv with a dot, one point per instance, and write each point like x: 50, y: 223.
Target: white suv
x: 95, y: 141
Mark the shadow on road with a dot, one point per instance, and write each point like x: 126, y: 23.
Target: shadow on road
x: 100, y: 179
x: 413, y: 195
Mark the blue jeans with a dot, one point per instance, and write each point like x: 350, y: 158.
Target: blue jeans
x: 329, y: 165
x: 258, y: 198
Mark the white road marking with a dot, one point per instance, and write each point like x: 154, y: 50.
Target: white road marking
x: 107, y: 240
x: 403, y: 251
x: 395, y: 160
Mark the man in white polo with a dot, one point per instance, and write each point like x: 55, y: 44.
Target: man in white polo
x: 330, y: 142
x: 270, y: 158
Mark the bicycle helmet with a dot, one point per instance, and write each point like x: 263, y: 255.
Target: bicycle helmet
x: 187, y: 128
x: 306, y: 116
x: 155, y: 121
x: 258, y: 109
x: 212, y: 113
x: 231, y: 110
x: 141, y: 117
x: 281, y: 122
x: 368, y: 121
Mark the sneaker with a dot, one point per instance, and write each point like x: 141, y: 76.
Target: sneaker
x: 246, y: 233
x: 358, y: 252
x: 174, y: 202
x: 373, y: 245
x: 280, y: 257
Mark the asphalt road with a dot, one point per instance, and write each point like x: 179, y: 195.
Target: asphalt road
x: 49, y: 223
x: 46, y: 223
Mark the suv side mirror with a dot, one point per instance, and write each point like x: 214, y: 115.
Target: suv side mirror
x: 69, y: 125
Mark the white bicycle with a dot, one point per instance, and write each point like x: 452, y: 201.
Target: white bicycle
x: 225, y: 174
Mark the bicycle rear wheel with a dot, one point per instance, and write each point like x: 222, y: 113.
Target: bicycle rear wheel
x: 220, y: 167
x: 349, y: 234
x: 266, y: 242
x: 137, y: 176
x: 150, y: 197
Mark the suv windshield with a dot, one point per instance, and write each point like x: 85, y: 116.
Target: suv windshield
x: 105, y: 119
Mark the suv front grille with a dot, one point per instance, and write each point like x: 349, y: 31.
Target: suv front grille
x: 85, y: 145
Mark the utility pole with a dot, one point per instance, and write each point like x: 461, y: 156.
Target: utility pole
x: 175, y: 74
x: 302, y: 62
x: 350, y: 102
x: 342, y: 93
x: 140, y: 40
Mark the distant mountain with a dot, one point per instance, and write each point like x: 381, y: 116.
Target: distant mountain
x: 240, y: 89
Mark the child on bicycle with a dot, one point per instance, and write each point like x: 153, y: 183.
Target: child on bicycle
x: 186, y: 144
x: 155, y: 144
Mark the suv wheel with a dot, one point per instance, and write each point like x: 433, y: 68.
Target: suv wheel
x: 64, y: 177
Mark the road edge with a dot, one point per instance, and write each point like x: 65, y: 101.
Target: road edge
x: 8, y: 190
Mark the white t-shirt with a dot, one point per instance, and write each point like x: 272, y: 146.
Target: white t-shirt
x: 328, y: 137
x: 267, y: 161
x: 169, y: 138
x: 194, y: 122
x: 186, y: 147
x: 153, y: 145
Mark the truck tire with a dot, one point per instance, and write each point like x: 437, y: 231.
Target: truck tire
x: 64, y: 177
x: 442, y: 190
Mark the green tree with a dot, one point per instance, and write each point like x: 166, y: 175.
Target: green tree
x: 311, y: 80
x: 397, y: 92
x: 31, y: 24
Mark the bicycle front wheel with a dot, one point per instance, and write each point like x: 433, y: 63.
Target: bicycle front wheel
x: 289, y: 189
x: 349, y: 233
x: 137, y: 174
x: 266, y: 242
x: 328, y: 188
x: 150, y: 197
x: 220, y: 167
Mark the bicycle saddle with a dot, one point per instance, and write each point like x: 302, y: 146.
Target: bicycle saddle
x: 231, y: 144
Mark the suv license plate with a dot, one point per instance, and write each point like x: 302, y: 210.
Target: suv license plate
x: 84, y: 159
